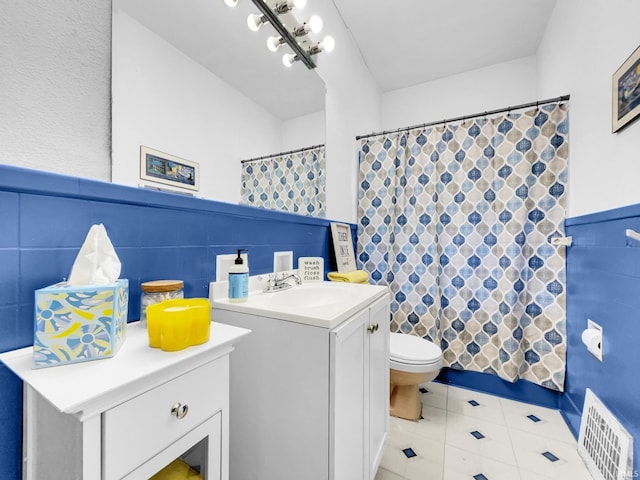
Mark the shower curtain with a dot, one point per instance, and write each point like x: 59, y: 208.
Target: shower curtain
x: 293, y: 182
x: 457, y: 220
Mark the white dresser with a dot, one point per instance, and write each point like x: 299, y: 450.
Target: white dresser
x: 131, y: 415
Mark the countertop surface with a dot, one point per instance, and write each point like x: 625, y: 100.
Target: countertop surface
x: 87, y: 388
x: 320, y: 304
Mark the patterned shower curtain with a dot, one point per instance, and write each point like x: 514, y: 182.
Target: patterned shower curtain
x: 457, y: 220
x: 293, y: 182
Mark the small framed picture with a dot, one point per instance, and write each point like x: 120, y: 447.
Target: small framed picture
x: 343, y: 247
x: 160, y: 167
x: 626, y: 92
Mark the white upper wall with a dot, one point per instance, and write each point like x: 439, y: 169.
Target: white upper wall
x: 56, y: 104
x: 352, y: 105
x: 583, y: 46
x: 497, y: 86
x: 303, y: 132
x: 55, y: 84
x: 164, y: 100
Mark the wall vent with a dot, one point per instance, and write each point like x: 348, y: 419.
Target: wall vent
x: 604, y: 444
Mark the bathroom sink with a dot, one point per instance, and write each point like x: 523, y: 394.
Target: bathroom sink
x: 323, y: 304
x: 309, y: 296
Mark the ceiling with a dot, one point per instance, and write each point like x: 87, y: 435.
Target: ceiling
x: 403, y: 42
x: 407, y: 42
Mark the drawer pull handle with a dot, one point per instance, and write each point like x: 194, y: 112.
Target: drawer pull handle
x: 179, y: 411
x: 372, y: 328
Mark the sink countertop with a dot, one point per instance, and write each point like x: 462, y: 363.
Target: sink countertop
x: 320, y: 304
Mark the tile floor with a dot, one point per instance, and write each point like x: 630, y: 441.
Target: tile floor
x: 474, y: 436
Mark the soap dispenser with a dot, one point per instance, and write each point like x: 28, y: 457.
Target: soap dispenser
x: 238, y: 280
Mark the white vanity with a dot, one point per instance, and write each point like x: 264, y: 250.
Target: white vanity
x: 131, y: 415
x: 310, y: 385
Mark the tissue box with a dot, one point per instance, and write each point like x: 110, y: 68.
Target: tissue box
x: 79, y: 323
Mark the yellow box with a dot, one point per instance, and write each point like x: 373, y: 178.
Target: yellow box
x: 179, y: 323
x: 79, y: 323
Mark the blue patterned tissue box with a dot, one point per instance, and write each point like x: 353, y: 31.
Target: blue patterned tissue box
x: 79, y: 323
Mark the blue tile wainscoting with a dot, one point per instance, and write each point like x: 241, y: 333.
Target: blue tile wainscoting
x: 603, y: 284
x: 45, y: 217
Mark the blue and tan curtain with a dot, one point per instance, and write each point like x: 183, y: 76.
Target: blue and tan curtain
x: 292, y: 182
x: 458, y: 220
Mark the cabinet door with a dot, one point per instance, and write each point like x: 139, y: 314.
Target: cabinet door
x: 378, y: 371
x: 349, y: 380
x: 207, y: 436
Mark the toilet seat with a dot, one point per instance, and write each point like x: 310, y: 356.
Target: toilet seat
x: 412, y: 350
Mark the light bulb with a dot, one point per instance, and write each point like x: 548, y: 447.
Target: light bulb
x: 315, y: 24
x: 288, y: 59
x: 289, y: 5
x: 231, y: 3
x: 328, y: 44
x: 255, y: 21
x: 273, y: 43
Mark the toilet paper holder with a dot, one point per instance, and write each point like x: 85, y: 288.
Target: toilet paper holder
x: 592, y: 338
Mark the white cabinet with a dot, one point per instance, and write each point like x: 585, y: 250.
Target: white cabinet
x: 360, y: 380
x: 131, y: 415
x: 309, y: 402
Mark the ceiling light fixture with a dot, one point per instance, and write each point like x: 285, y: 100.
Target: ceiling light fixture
x: 303, y: 48
x: 231, y: 3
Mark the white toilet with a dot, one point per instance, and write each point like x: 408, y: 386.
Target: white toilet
x: 413, y: 361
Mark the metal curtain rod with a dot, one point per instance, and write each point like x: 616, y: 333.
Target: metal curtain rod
x: 281, y: 153
x: 562, y: 98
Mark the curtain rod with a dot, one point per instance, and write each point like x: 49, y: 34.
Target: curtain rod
x: 562, y: 98
x: 282, y: 153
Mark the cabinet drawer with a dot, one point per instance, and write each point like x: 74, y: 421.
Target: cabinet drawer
x: 138, y: 429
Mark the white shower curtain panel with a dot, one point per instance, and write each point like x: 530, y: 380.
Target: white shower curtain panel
x: 458, y: 220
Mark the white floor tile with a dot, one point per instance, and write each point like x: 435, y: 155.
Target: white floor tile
x: 529, y: 450
x: 435, y: 396
x: 422, y: 469
x: 401, y: 425
x: 427, y: 465
x: 480, y: 437
x: 460, y: 464
x: 393, y: 460
x: 383, y: 474
x: 433, y: 425
x: 475, y: 404
x: 545, y: 422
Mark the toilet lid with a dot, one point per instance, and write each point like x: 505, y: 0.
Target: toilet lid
x: 412, y: 349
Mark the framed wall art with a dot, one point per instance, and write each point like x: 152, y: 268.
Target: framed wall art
x: 626, y: 92
x: 160, y: 167
x: 343, y: 247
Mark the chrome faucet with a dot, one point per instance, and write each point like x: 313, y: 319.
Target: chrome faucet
x: 275, y: 284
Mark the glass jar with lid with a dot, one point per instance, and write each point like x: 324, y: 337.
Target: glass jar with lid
x: 157, y: 291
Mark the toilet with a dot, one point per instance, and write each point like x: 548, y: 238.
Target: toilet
x: 413, y: 360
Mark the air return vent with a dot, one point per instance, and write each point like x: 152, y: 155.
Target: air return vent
x: 604, y: 445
